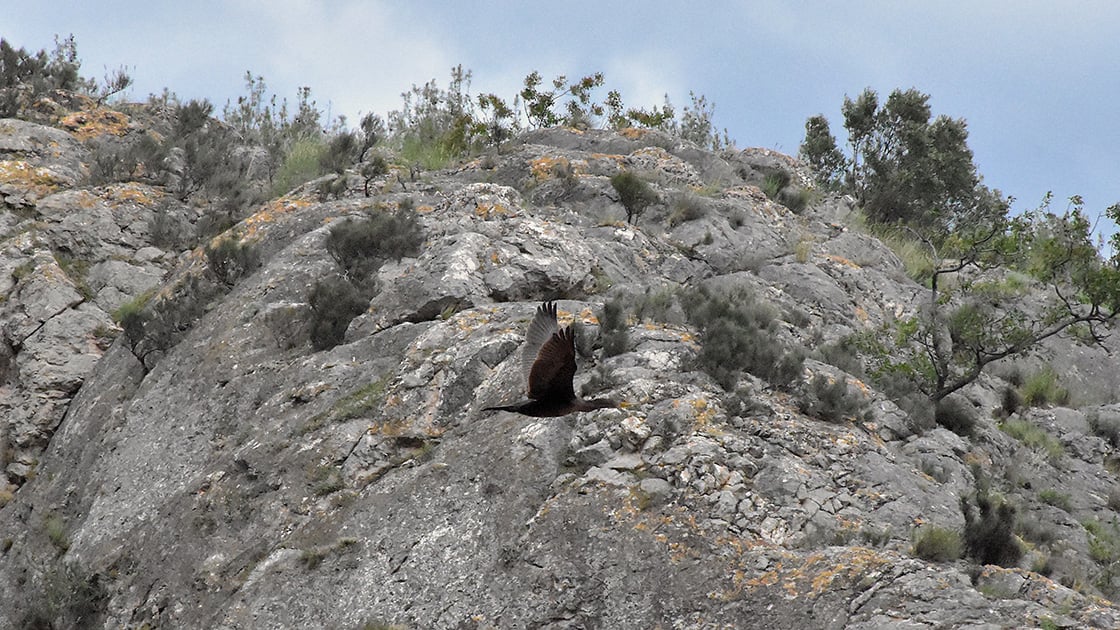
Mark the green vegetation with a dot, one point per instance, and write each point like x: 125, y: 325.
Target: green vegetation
x: 915, y: 180
x: 740, y: 334
x: 613, y: 328
x: 64, y: 595
x: 1104, y: 549
x: 1034, y: 437
x: 230, y: 259
x: 633, y: 193
x: 335, y: 302
x: 831, y: 400
x: 360, y: 247
x: 1042, y: 389
x: 1060, y: 500
x: 937, y: 544
x: 988, y: 530
x: 55, y: 529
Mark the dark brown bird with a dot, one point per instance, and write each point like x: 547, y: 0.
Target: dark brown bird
x: 549, y: 362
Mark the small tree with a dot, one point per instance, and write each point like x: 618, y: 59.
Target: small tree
x: 820, y: 152
x: 963, y: 329
x: 633, y: 193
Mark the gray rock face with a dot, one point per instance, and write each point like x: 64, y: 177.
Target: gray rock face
x: 244, y: 480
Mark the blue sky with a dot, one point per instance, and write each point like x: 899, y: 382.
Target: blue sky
x: 1036, y: 81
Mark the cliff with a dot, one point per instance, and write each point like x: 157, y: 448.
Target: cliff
x: 234, y: 477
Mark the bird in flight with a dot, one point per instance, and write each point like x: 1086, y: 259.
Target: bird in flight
x: 549, y: 362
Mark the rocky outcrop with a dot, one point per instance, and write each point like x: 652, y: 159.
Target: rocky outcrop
x: 243, y: 480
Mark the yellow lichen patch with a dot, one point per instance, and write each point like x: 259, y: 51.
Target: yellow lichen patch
x: 495, y: 257
x: 469, y: 321
x: 96, y: 122
x: 842, y: 261
x: 705, y: 411
x: 853, y: 563
x: 687, y: 337
x: 270, y: 212
x: 633, y: 133
x: 26, y: 177
x: 587, y: 316
x: 425, y: 209
x: 861, y: 314
x: 132, y: 193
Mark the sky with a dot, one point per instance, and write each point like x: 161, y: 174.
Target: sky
x: 1037, y: 81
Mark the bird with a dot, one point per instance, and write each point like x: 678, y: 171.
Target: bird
x: 549, y: 362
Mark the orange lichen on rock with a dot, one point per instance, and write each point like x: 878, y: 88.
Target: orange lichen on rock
x: 96, y: 122
x: 270, y: 212
x: 133, y: 193
x: 842, y: 261
x: 633, y: 133
x: 486, y: 210
x: 543, y: 167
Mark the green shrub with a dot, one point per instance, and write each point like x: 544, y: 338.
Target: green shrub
x: 633, y: 193
x: 361, y: 247
x: 65, y: 596
x: 831, y: 400
x: 1107, y: 429
x: 988, y: 530
x: 334, y: 302
x: 1043, y: 389
x: 1055, y: 498
x: 1034, y: 437
x: 956, y: 414
x: 231, y: 260
x: 937, y: 544
x: 686, y: 207
x: 55, y: 529
x: 341, y: 151
x: 774, y: 183
x: 301, y: 164
x: 1011, y: 401
x: 739, y: 333
x: 613, y: 328
x: 375, y: 167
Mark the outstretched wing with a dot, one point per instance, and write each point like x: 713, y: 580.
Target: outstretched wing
x: 540, y: 330
x: 551, y: 374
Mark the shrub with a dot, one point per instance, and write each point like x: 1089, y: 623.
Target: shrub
x: 67, y: 596
x: 231, y: 260
x: 1034, y: 437
x: 1010, y: 401
x: 371, y: 170
x: 686, y: 207
x: 956, y: 414
x: 633, y: 193
x: 740, y: 334
x: 988, y: 530
x: 340, y: 153
x: 1055, y: 498
x: 300, y: 165
x: 774, y: 183
x: 361, y: 247
x: 334, y: 304
x: 1107, y: 429
x: 937, y: 544
x: 1043, y: 389
x: 830, y: 400
x: 612, y: 320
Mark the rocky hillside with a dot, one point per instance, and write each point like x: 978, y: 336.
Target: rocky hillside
x: 212, y: 469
